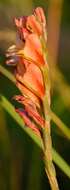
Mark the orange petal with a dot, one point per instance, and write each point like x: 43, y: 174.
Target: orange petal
x: 25, y: 33
x: 33, y: 25
x: 21, y: 22
x: 25, y: 101
x: 30, y: 109
x: 27, y: 121
x: 40, y: 15
x: 33, y: 49
x: 28, y: 93
x: 32, y: 112
x: 33, y: 78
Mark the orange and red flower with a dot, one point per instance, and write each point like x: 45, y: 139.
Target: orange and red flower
x: 27, y: 56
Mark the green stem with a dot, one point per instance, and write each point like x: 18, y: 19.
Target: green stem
x: 49, y: 167
x: 47, y: 141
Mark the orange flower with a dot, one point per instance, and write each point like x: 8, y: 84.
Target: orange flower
x: 27, y: 56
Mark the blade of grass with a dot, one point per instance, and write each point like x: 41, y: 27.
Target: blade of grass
x: 63, y: 128
x: 61, y: 163
x: 61, y: 85
x: 7, y: 74
x: 56, y: 157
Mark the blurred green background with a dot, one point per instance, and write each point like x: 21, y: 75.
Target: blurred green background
x: 21, y: 165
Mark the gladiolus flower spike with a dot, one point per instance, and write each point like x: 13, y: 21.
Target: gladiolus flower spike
x: 28, y: 58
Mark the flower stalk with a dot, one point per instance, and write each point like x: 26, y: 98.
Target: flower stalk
x: 49, y: 167
x: 47, y: 141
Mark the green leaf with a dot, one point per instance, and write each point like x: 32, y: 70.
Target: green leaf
x: 61, y: 163
x: 7, y: 74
